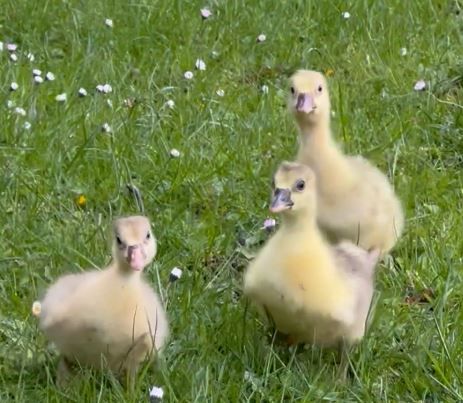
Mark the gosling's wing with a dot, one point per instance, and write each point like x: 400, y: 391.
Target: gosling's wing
x: 354, y: 260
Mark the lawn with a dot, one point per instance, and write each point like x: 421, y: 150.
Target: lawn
x: 231, y: 127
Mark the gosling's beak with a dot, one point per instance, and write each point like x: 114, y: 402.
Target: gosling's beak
x: 281, y: 200
x: 305, y: 103
x: 136, y: 257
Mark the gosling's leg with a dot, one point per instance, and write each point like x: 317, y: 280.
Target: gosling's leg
x: 343, y: 360
x: 64, y: 372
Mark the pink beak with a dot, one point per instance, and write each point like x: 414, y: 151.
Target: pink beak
x: 136, y: 258
x: 281, y: 201
x: 305, y: 103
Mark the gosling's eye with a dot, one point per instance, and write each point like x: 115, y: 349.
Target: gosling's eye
x: 118, y: 240
x: 292, y: 90
x: 320, y: 88
x: 148, y: 235
x: 300, y: 185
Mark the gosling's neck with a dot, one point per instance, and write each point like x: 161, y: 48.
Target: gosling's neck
x: 304, y: 220
x: 316, y: 141
x: 318, y: 150
x: 123, y: 271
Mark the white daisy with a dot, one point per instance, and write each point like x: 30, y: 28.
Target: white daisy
x: 36, y: 308
x: 108, y: 22
x: 20, y: 111
x: 174, y: 153
x: 206, y: 13
x: 61, y: 97
x: 261, y: 38
x: 82, y: 92
x: 170, y: 104
x: 269, y: 223
x: 50, y: 76
x: 14, y: 86
x: 420, y: 85
x: 106, y: 128
x: 175, y: 274
x: 200, y: 65
x: 156, y: 393
x: 345, y: 15
x: 107, y: 88
x: 188, y: 75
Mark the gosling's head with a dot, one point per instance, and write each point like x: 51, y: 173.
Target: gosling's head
x: 309, y: 98
x: 293, y: 189
x: 134, y: 245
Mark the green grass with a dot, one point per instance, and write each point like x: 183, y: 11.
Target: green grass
x: 216, y: 194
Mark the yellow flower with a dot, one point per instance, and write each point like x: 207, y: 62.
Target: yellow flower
x: 329, y: 72
x: 81, y: 200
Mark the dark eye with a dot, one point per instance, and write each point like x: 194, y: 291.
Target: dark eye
x: 320, y: 88
x: 292, y: 90
x: 148, y: 235
x: 300, y: 185
x: 118, y: 240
